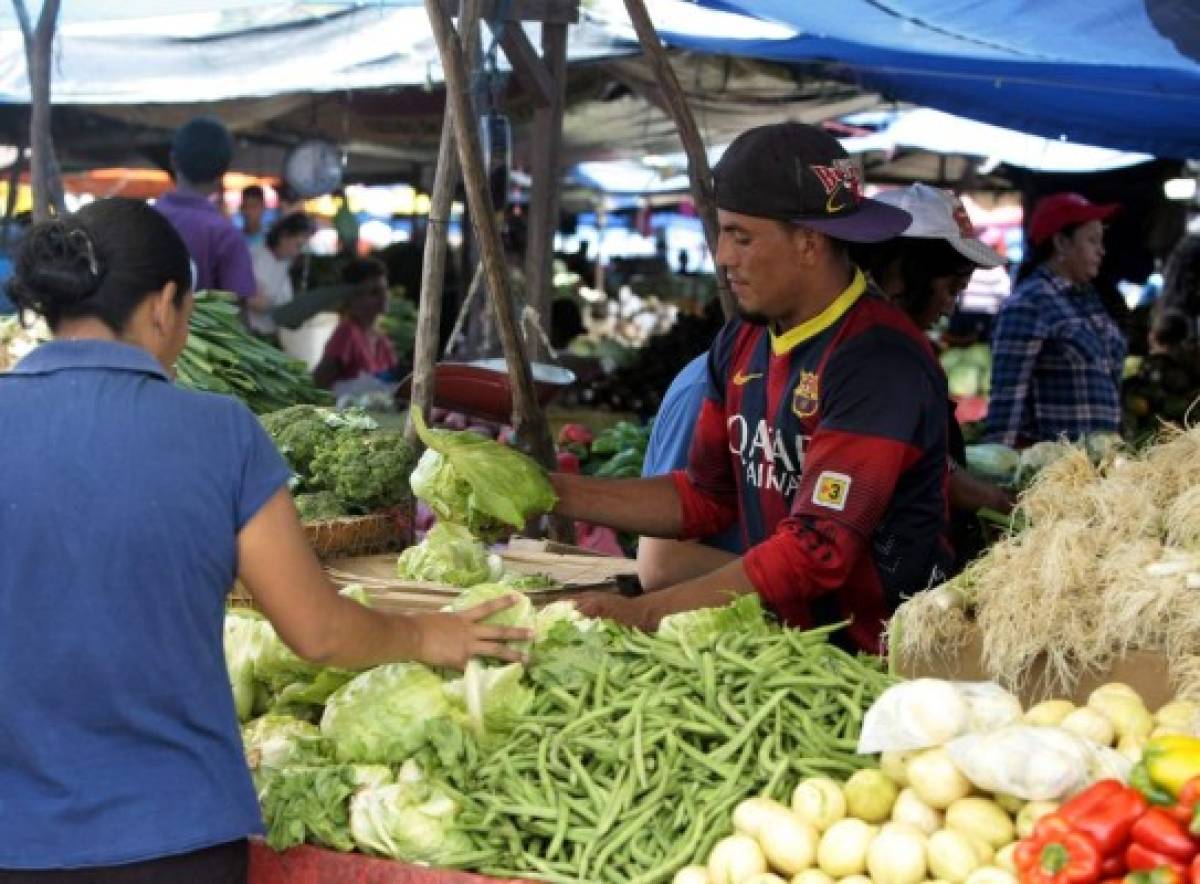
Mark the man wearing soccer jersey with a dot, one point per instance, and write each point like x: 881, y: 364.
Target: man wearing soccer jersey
x: 823, y: 432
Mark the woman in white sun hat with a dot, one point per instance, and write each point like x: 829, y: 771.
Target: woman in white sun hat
x: 924, y: 270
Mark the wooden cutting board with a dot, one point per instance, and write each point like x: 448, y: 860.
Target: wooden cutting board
x: 575, y: 569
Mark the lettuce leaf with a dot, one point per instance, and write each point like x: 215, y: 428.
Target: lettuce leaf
x: 448, y: 554
x: 487, y: 487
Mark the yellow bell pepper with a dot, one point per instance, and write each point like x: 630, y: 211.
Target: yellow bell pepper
x: 1171, y: 761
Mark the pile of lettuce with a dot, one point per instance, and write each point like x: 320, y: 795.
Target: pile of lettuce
x: 449, y: 554
x: 339, y: 758
x: 488, y: 488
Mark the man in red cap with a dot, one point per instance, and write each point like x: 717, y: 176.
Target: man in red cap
x: 823, y: 430
x: 1057, y: 355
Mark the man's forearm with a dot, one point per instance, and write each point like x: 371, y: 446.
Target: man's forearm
x: 710, y: 591
x: 639, y: 506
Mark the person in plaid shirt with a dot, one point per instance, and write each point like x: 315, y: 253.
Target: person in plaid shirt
x: 1057, y: 355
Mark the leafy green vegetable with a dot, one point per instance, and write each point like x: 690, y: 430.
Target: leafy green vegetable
x: 412, y: 821
x: 701, y: 628
x: 222, y: 357
x: 309, y: 803
x: 448, y: 554
x: 272, y: 742
x: 381, y: 715
x: 476, y: 482
x: 245, y: 635
x: 366, y: 469
x: 527, y: 582
x: 319, y: 506
x: 492, y: 697
x: 520, y: 614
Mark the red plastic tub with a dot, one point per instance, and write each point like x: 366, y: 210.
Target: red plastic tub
x: 312, y: 865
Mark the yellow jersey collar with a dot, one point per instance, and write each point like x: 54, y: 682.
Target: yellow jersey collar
x: 781, y: 344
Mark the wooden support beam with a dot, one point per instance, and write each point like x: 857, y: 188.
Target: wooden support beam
x: 533, y: 433
x: 528, y: 68
x: 43, y: 166
x: 544, y: 169
x: 699, y: 173
x: 559, y: 12
x: 433, y: 266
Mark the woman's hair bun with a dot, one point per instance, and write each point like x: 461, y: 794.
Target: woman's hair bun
x: 58, y: 267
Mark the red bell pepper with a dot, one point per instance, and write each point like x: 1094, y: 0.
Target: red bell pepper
x: 1193, y: 875
x: 1187, y: 807
x: 1057, y: 853
x: 1140, y: 858
x: 1107, y: 811
x: 575, y: 434
x: 1160, y: 833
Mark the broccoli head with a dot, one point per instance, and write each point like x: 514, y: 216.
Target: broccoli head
x: 366, y: 470
x: 298, y: 433
x: 319, y: 506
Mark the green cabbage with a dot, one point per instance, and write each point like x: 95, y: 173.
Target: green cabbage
x: 493, y: 698
x: 520, y: 614
x: 380, y: 716
x: 411, y: 821
x: 273, y: 742
x: 702, y: 627
x: 245, y: 635
x: 448, y: 554
x: 466, y: 479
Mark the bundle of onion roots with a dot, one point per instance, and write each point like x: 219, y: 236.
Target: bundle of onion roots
x: 1108, y: 561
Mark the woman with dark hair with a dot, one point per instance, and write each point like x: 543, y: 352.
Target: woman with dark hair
x: 1057, y: 355
x: 273, y: 259
x: 924, y: 270
x: 129, y: 506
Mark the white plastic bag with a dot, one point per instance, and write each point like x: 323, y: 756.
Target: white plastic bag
x: 929, y: 712
x: 989, y: 706
x: 1033, y: 763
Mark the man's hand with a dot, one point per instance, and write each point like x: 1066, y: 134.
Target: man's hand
x: 610, y: 606
x: 453, y: 639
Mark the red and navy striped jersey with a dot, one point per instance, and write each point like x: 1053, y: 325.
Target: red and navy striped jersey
x: 828, y: 444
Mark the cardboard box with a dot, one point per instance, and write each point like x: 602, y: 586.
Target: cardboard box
x: 1144, y: 671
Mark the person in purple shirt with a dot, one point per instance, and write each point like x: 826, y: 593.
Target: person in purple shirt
x: 201, y: 152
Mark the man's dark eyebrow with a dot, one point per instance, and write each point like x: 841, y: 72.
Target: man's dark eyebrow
x: 733, y: 228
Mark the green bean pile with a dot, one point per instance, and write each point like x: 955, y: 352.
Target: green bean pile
x: 634, y: 773
x: 222, y: 357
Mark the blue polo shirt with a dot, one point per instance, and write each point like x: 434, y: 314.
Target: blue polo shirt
x: 121, y: 497
x: 671, y: 437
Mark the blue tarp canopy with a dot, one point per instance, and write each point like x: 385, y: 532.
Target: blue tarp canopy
x: 1115, y: 73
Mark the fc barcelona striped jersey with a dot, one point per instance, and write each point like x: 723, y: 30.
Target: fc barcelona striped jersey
x: 828, y: 444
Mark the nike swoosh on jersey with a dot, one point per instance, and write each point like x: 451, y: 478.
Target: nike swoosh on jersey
x: 740, y: 380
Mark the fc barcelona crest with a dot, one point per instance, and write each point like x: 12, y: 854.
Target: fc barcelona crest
x: 806, y: 397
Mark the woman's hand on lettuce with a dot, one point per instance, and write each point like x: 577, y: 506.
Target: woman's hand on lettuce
x: 451, y: 639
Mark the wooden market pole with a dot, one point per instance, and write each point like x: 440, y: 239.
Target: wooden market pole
x: 437, y: 236
x: 533, y: 433
x: 699, y: 173
x: 39, y: 41
x: 545, y: 170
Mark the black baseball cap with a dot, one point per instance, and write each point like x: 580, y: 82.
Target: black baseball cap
x: 801, y: 175
x: 202, y: 149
